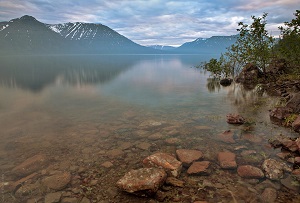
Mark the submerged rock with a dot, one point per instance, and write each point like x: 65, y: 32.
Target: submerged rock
x: 235, y: 119
x: 278, y: 114
x: 174, y: 182
x: 142, y: 182
x: 188, y: 156
x: 248, y: 171
x: 198, y: 168
x: 227, y: 136
x: 58, y: 181
x: 269, y: 195
x: 227, y: 160
x: 275, y: 169
x: 296, y: 124
x: 165, y: 161
x: 30, y: 165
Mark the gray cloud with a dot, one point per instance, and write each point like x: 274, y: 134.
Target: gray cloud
x: 163, y: 22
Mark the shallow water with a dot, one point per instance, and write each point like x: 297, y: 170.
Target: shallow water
x: 83, y: 111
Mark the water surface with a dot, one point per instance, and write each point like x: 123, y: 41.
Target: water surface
x: 82, y: 111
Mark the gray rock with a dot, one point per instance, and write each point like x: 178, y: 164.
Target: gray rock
x: 274, y: 169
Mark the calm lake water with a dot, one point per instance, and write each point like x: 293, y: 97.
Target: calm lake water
x: 82, y: 112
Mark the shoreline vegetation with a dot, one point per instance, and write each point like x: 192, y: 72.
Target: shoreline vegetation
x: 258, y: 59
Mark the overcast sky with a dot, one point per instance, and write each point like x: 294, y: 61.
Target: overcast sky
x: 149, y: 22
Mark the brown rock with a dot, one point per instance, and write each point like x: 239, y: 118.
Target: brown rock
x: 235, y: 119
x: 200, y: 202
x: 173, y: 141
x: 114, y: 152
x: 278, y: 114
x: 269, y: 195
x: 143, y: 145
x: 248, y: 171
x: 53, y: 197
x: 58, y: 181
x: 30, y: 165
x: 187, y: 156
x: 155, y: 136
x: 227, y: 160
x: 11, y: 187
x: 174, y: 182
x: 142, y: 182
x: 107, y: 164
x: 252, y: 138
x: 165, y: 161
x: 227, y: 136
x: 296, y: 124
x: 199, y: 167
x: 294, y: 103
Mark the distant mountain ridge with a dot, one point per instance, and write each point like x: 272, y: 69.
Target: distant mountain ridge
x: 214, y: 44
x: 26, y: 35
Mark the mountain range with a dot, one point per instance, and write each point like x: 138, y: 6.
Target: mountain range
x: 26, y: 35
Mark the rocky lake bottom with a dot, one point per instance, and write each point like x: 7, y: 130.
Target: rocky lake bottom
x: 74, y: 145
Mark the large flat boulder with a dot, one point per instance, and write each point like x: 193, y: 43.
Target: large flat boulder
x: 142, y: 182
x: 165, y: 161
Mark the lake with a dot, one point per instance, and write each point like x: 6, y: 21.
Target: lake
x: 98, y: 116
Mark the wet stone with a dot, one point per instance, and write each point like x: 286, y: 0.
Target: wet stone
x: 114, y: 153
x: 85, y: 200
x: 227, y: 136
x: 235, y: 119
x: 296, y: 124
x: 269, y: 195
x: 252, y: 138
x: 274, y: 169
x: 143, y: 145
x: 188, y: 156
x: 173, y: 141
x: 155, y: 136
x: 53, y: 197
x: 248, y: 152
x: 27, y: 189
x: 58, y: 181
x: 199, y: 168
x: 227, y: 160
x: 248, y: 171
x: 125, y: 145
x: 291, y: 183
x: 174, y: 182
x: 165, y: 161
x: 107, y: 164
x: 142, y: 182
x: 30, y: 165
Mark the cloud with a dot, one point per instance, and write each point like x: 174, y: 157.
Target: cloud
x: 165, y: 22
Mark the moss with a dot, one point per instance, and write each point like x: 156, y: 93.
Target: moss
x: 290, y: 119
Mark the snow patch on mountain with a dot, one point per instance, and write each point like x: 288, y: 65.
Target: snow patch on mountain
x: 4, y: 27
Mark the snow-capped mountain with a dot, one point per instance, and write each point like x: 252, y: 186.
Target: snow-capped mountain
x: 162, y: 47
x: 28, y: 35
x: 215, y: 44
